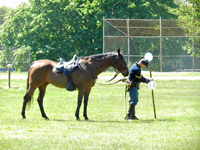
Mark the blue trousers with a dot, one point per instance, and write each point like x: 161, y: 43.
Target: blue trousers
x: 133, y: 96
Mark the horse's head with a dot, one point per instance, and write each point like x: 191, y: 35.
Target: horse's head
x: 120, y: 64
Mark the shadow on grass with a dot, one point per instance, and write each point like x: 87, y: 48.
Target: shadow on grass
x: 119, y: 121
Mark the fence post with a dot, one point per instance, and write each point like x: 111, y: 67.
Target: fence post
x: 193, y: 44
x: 160, y: 45
x: 128, y: 42
x: 9, y: 78
x: 103, y: 34
x: 9, y: 67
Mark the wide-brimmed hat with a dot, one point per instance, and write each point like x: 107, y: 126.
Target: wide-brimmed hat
x: 145, y: 62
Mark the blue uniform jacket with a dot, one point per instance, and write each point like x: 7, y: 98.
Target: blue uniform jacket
x: 135, y: 74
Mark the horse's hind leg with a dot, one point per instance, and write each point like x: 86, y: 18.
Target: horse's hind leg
x: 27, y: 98
x: 42, y: 90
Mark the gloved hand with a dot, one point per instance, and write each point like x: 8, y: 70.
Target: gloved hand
x: 151, y: 79
x: 128, y: 84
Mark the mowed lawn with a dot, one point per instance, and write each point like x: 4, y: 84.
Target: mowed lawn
x: 177, y: 125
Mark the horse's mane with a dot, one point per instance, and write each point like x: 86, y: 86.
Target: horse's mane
x: 99, y: 56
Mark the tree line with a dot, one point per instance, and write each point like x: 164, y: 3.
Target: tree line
x: 53, y: 28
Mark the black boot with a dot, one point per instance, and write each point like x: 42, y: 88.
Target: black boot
x: 133, y: 114
x: 128, y: 116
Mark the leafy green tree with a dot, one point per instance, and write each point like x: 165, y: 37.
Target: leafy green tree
x: 189, y: 12
x: 138, y: 9
x: 3, y: 11
x: 21, y: 59
x: 53, y: 28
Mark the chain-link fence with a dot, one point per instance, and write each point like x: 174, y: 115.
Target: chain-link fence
x: 173, y: 43
x: 19, y: 58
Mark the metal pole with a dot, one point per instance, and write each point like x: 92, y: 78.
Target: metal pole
x: 193, y: 44
x: 128, y: 42
x: 160, y: 46
x: 103, y: 34
x: 154, y: 108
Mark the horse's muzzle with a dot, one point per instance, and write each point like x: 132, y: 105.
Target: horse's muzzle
x: 125, y: 73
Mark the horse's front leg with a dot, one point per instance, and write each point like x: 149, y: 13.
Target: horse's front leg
x: 86, y: 96
x: 80, y: 97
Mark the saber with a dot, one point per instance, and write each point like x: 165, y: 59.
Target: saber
x: 152, y: 86
x: 154, y: 108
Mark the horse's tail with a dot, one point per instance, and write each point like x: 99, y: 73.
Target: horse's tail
x: 27, y: 85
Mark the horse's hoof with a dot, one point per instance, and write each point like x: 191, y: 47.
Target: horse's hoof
x: 87, y: 119
x: 45, y: 117
x: 23, y: 117
x: 78, y: 119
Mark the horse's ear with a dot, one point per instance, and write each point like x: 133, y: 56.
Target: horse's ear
x: 119, y: 52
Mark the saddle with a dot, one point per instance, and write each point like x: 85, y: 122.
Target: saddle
x: 66, y: 68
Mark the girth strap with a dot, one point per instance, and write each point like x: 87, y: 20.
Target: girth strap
x: 82, y: 68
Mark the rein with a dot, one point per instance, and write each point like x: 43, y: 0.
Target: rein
x: 109, y: 79
x: 82, y: 68
x: 110, y: 83
x: 117, y: 72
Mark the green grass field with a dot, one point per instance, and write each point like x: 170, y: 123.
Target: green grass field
x: 156, y: 74
x: 177, y: 126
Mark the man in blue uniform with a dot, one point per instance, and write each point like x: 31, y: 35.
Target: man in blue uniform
x: 133, y: 81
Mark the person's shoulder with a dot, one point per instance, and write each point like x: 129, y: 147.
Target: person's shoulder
x: 134, y: 68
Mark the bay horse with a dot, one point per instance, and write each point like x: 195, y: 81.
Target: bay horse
x: 43, y: 72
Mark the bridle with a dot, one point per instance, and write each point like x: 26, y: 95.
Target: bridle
x: 119, y: 68
x: 115, y: 62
